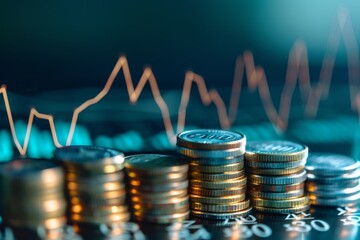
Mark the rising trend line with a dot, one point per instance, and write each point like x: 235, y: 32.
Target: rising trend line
x: 298, y: 70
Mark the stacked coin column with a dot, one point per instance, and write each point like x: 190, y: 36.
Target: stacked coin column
x: 276, y: 176
x: 158, y: 188
x: 217, y: 179
x: 95, y: 185
x: 333, y: 180
x: 32, y: 191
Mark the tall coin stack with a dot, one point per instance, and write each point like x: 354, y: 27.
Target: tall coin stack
x: 333, y: 180
x: 276, y: 176
x: 94, y: 184
x: 158, y: 188
x: 217, y: 179
x: 32, y: 195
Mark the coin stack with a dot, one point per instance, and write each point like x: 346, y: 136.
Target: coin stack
x: 217, y: 179
x: 94, y: 184
x: 32, y: 195
x: 333, y: 180
x: 158, y: 188
x: 276, y: 176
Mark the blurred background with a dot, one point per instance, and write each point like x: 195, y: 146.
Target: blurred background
x: 54, y: 56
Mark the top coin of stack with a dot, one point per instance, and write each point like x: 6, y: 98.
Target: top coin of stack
x: 276, y: 176
x: 333, y: 180
x: 217, y: 180
x: 158, y: 187
x: 32, y: 194
x: 94, y: 183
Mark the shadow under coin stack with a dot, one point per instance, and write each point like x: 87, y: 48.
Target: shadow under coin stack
x: 158, y: 188
x: 217, y: 179
x: 32, y: 193
x: 333, y: 180
x: 276, y: 174
x: 95, y: 186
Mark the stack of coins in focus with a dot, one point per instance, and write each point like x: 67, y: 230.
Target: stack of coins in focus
x: 32, y: 196
x: 158, y: 188
x: 217, y: 179
x: 333, y: 180
x: 276, y: 176
x: 94, y: 184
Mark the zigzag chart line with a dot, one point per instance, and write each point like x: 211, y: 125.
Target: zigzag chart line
x: 298, y: 70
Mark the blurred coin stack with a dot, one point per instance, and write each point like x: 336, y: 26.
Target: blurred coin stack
x: 276, y: 174
x: 216, y: 171
x: 333, y: 180
x: 32, y: 195
x: 94, y: 185
x: 158, y: 188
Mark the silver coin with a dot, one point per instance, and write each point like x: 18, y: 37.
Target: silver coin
x: 332, y: 186
x: 334, y: 193
x: 275, y: 151
x: 217, y: 161
x: 275, y: 165
x: 349, y: 177
x: 156, y: 163
x: 88, y: 155
x: 208, y: 139
x: 282, y: 180
x: 325, y: 164
x: 344, y: 201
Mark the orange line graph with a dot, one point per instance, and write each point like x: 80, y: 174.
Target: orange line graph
x: 297, y: 71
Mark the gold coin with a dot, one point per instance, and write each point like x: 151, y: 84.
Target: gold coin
x: 216, y: 168
x: 94, y: 169
x: 217, y: 192
x: 217, y: 176
x: 177, y: 217
x: 274, y: 171
x: 286, y: 203
x: 233, y: 183
x: 138, y: 196
x: 171, y: 202
x: 51, y: 223
x: 276, y: 188
x: 98, y: 201
x: 112, y: 218
x: 108, y: 194
x: 220, y: 208
x: 162, y: 187
x: 221, y: 216
x: 161, y: 211
x: 155, y: 164
x: 155, y: 179
x: 101, y: 211
x: 101, y: 187
x: 283, y: 210
x: 218, y: 200
x: 93, y: 180
x: 277, y: 195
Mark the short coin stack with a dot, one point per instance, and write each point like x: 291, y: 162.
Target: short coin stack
x: 94, y: 184
x: 32, y: 194
x: 158, y: 188
x: 217, y: 179
x: 333, y: 180
x: 276, y: 176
